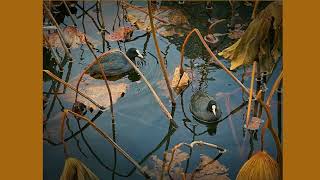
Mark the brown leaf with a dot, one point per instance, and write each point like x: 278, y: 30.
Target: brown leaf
x: 73, y: 37
x: 174, y: 17
x: 122, y: 34
x: 209, y: 169
x: 179, y: 84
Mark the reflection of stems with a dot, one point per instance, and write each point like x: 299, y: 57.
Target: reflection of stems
x: 162, y: 106
x: 279, y: 110
x: 68, y: 75
x: 115, y: 145
x: 211, y: 54
x: 251, y: 92
x: 70, y: 14
x: 72, y: 88
x: 163, y: 68
x: 60, y: 33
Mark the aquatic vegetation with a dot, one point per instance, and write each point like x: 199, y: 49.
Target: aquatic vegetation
x: 86, y: 94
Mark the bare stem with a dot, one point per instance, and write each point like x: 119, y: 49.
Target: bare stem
x: 212, y: 55
x: 274, y: 88
x: 69, y: 12
x: 162, y: 65
x: 162, y: 106
x: 72, y: 88
x: 254, y: 12
x: 251, y: 92
x: 60, y: 33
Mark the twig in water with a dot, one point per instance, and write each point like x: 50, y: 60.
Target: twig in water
x: 103, y: 134
x: 60, y: 33
x: 213, y: 57
x: 73, y: 88
x: 250, y: 94
x: 163, y: 68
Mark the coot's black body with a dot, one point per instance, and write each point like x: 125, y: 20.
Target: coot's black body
x: 201, y: 107
x: 115, y: 64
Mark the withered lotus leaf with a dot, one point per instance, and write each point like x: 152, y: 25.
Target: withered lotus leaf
x: 261, y: 40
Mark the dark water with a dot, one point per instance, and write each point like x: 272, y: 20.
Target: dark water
x: 141, y: 128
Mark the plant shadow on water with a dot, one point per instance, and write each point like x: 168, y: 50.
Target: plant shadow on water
x: 138, y: 126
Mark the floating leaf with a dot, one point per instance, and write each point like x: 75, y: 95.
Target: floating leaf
x: 260, y: 41
x: 122, y: 34
x: 73, y: 38
x: 159, y: 166
x: 179, y: 84
x: 177, y: 22
x: 260, y: 166
x: 97, y: 90
x: 74, y: 169
x: 208, y: 169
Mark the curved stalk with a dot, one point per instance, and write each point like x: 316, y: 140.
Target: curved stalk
x: 104, y: 135
x: 212, y: 55
x: 162, y: 106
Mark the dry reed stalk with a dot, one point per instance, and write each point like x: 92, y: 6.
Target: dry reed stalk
x: 104, y: 78
x: 162, y: 106
x: 274, y: 88
x: 144, y: 11
x: 212, y: 55
x: 161, y: 61
x: 73, y: 88
x: 104, y: 135
x: 251, y: 92
x: 201, y: 143
x: 268, y: 125
x: 60, y: 33
x: 56, y: 57
x: 69, y: 12
x: 254, y: 12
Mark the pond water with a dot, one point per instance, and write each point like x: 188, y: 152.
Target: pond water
x: 140, y: 127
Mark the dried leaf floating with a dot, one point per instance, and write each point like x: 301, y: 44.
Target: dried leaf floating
x: 209, y: 168
x: 179, y: 84
x: 73, y: 37
x: 74, y: 169
x: 260, y: 166
x: 97, y: 90
x: 260, y: 41
x: 169, y: 21
x: 122, y: 34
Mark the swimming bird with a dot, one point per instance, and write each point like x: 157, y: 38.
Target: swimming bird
x: 115, y: 64
x: 204, y: 107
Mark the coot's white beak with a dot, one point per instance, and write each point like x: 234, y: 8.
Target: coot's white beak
x: 139, y: 54
x: 214, y: 109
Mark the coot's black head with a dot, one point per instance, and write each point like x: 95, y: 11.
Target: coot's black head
x: 132, y: 53
x: 212, y: 107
